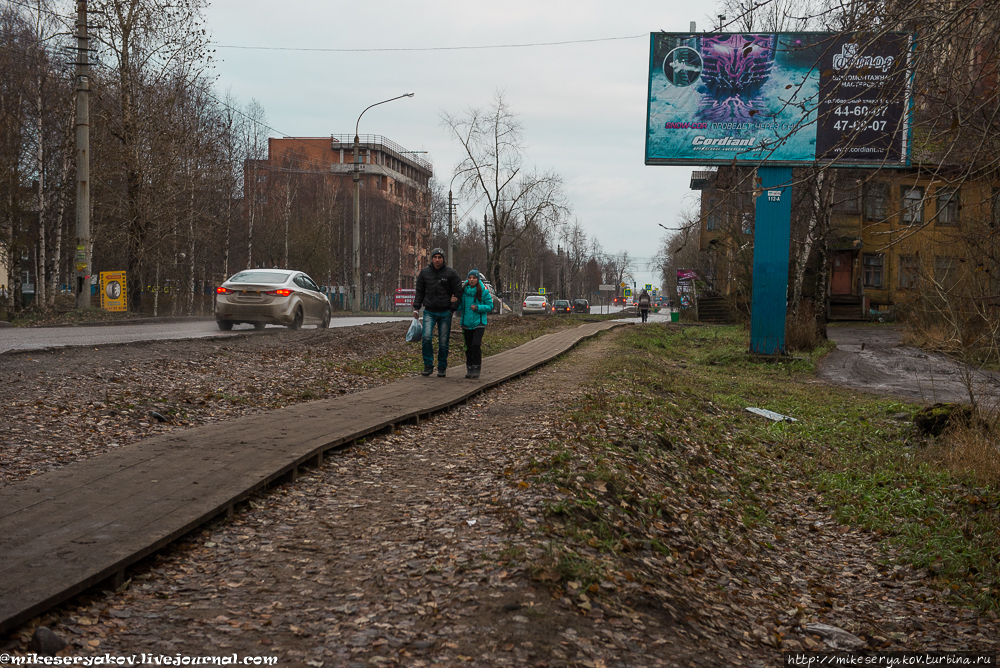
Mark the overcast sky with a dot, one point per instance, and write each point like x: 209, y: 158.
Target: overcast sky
x: 583, y: 106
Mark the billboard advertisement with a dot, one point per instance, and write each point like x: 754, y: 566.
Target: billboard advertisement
x: 783, y: 98
x: 114, y: 295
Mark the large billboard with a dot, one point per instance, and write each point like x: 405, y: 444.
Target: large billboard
x: 784, y: 98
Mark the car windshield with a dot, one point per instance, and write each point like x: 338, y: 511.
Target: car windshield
x: 268, y: 277
x: 580, y: 302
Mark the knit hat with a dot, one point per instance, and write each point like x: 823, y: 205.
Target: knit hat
x: 437, y: 251
x: 474, y: 272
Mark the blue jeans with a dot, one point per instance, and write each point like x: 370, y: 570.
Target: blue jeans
x: 443, y: 320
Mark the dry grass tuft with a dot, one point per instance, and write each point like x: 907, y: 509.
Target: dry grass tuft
x: 801, y: 333
x: 969, y: 450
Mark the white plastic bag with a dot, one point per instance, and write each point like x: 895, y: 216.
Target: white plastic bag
x: 415, y: 332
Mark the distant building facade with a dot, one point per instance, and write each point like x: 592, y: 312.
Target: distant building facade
x: 306, y: 185
x: 894, y: 235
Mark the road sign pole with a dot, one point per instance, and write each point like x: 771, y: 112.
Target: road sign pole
x: 772, y: 229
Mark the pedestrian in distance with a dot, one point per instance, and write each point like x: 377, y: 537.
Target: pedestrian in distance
x: 477, y: 302
x: 438, y: 290
x: 643, y: 305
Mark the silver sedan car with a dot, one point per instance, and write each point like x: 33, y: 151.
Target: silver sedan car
x: 276, y: 296
x: 535, y: 304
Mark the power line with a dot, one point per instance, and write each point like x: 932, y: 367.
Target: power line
x: 432, y: 48
x: 35, y: 8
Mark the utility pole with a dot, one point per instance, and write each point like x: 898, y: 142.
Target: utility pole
x: 486, y: 240
x: 451, y: 243
x: 83, y: 158
x: 558, y: 270
x: 356, y: 288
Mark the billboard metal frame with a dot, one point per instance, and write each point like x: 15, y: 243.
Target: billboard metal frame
x: 774, y: 101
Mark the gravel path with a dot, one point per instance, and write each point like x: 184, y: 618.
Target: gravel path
x: 392, y: 553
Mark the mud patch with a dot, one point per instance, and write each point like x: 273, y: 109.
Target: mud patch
x: 872, y: 359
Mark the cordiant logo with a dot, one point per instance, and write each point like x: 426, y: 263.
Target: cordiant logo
x: 721, y: 141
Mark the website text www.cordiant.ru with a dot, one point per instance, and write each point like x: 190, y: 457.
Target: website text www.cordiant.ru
x: 136, y: 660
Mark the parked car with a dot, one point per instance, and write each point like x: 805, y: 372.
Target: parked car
x: 275, y: 296
x: 561, y: 306
x: 581, y: 306
x: 535, y: 305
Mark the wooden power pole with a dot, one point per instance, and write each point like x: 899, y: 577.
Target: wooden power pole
x: 83, y: 268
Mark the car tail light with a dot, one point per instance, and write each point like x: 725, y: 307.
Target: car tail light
x: 283, y: 292
x: 223, y: 291
x: 524, y: 304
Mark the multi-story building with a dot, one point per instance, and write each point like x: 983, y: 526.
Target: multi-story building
x: 899, y: 234
x: 894, y: 235
x: 307, y: 184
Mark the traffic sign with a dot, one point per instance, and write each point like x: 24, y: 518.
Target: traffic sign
x: 606, y: 288
x: 649, y: 286
x: 627, y: 292
x: 623, y: 285
x: 541, y: 291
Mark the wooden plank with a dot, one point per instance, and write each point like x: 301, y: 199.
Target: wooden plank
x: 65, y: 531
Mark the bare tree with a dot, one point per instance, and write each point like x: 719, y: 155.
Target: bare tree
x: 750, y: 16
x: 146, y: 45
x: 575, y: 257
x: 518, y: 201
x: 254, y: 147
x: 35, y: 110
x: 618, y: 267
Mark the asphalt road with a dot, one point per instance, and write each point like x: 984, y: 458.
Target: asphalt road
x: 34, y: 338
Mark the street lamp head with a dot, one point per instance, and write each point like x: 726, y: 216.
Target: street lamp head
x: 410, y: 94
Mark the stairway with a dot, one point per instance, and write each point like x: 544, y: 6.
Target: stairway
x: 714, y: 310
x: 844, y: 307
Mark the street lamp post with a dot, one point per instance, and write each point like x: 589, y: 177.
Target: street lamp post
x: 355, y: 305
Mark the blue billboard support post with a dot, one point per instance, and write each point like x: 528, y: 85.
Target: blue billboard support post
x: 772, y: 230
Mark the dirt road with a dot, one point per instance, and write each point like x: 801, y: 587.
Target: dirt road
x: 873, y: 359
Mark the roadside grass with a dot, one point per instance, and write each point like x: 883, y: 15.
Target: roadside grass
x: 395, y: 363
x: 502, y: 333
x: 48, y: 317
x: 970, y: 452
x: 511, y: 331
x: 662, y: 447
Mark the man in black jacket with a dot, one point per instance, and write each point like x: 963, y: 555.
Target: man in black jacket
x: 438, y: 290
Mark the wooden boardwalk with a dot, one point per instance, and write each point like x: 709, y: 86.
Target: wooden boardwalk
x: 84, y: 524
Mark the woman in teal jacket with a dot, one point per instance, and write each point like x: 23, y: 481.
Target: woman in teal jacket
x: 477, y: 302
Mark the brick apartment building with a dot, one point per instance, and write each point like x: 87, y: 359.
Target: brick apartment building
x: 300, y: 198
